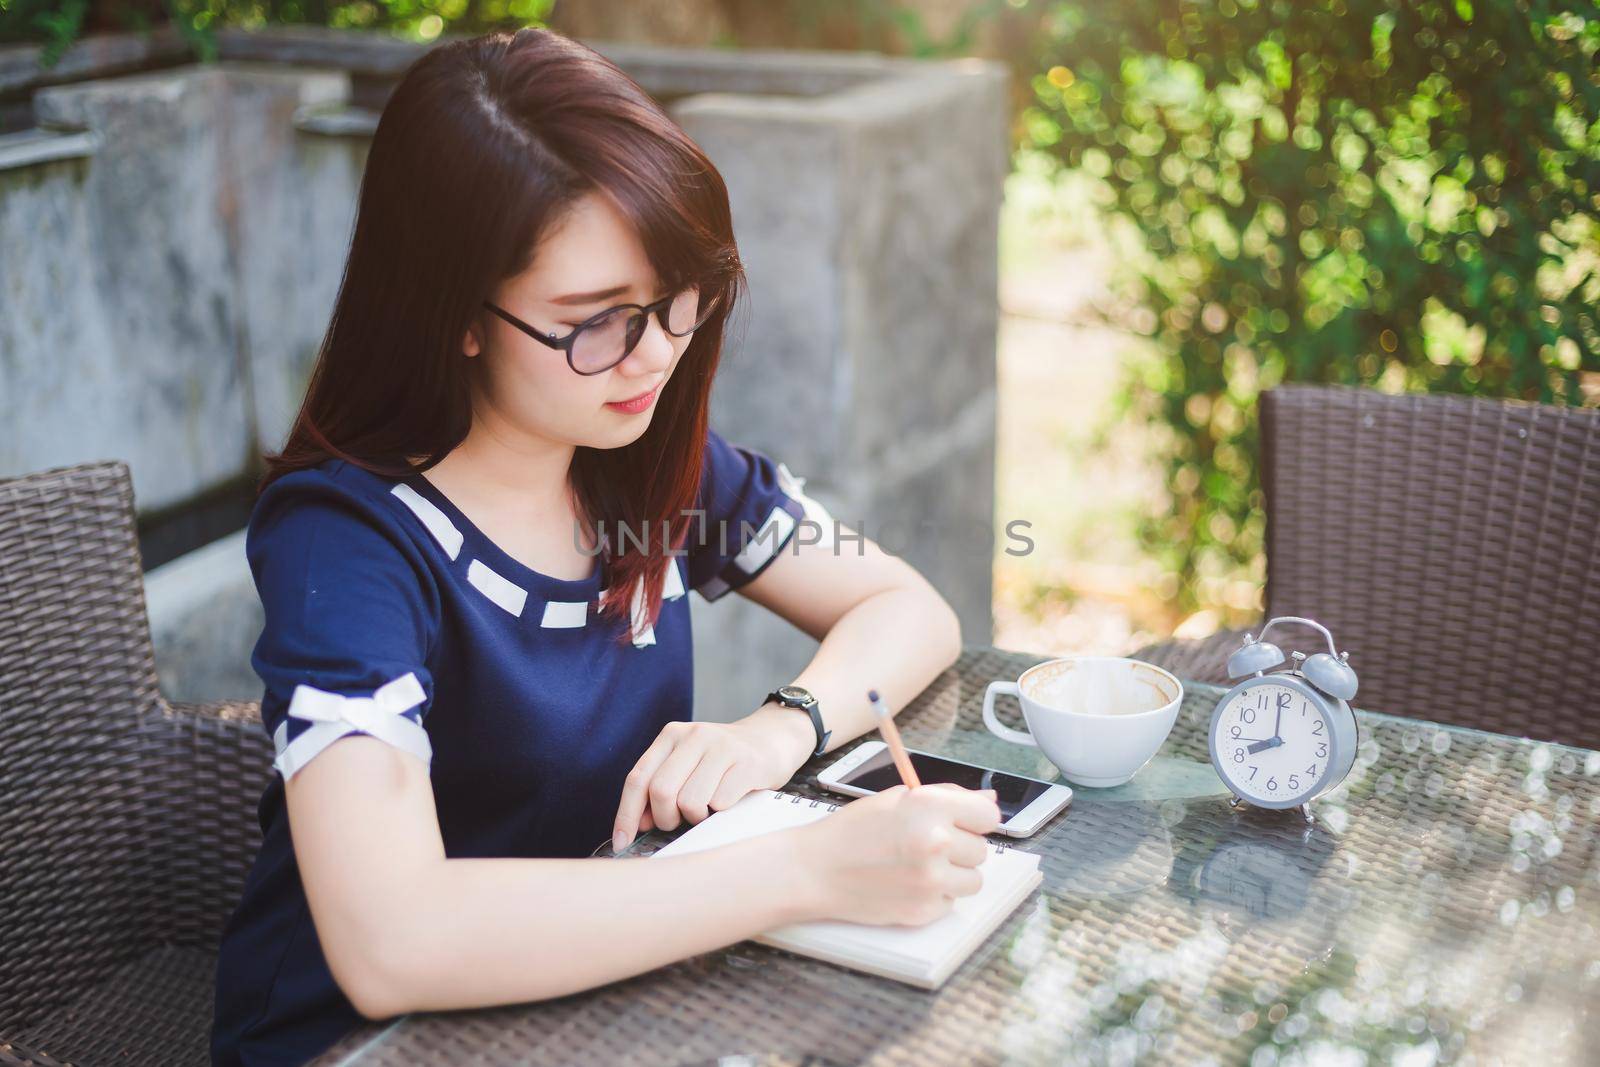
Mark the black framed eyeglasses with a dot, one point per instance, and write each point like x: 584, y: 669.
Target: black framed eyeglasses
x: 603, y: 340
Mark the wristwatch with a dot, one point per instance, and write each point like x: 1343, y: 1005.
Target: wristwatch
x: 794, y: 696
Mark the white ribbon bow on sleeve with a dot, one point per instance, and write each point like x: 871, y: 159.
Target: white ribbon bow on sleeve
x: 381, y: 715
x: 795, y: 489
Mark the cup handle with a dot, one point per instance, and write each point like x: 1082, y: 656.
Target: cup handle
x: 996, y: 727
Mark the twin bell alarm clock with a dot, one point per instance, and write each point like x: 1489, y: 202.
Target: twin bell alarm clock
x: 1282, y: 740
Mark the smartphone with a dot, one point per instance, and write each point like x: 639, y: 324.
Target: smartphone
x: 1025, y: 803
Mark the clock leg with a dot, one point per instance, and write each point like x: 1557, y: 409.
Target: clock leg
x: 1234, y: 802
x: 1305, y: 809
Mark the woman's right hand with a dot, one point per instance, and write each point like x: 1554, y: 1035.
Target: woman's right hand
x: 900, y: 856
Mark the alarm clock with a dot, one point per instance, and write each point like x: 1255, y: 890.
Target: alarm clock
x: 1282, y: 740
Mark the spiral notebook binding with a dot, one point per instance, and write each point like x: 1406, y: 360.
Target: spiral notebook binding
x: 797, y: 798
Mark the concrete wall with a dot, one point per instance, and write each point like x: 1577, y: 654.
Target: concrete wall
x: 205, y: 617
x: 867, y: 220
x: 174, y: 241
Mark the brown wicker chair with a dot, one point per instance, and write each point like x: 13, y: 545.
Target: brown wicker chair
x: 126, y: 825
x: 1452, y: 545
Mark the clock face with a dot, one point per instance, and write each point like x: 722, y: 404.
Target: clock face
x: 1272, y: 744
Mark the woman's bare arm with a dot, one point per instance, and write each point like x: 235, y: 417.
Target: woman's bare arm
x: 880, y: 623
x: 404, y: 928
x: 881, y: 626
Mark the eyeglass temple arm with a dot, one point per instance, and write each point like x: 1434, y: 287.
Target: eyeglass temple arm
x: 524, y: 327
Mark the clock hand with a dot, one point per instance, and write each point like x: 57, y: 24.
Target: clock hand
x: 1271, y: 742
x: 1277, y: 727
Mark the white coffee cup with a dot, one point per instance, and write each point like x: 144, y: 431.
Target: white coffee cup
x: 1098, y: 718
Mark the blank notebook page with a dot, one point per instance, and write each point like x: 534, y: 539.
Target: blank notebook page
x: 922, y: 955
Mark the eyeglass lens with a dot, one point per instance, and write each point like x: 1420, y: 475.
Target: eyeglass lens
x: 607, y: 340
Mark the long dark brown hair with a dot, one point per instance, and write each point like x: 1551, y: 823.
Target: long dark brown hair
x: 482, y: 145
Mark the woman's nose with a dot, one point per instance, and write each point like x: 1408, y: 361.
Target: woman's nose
x: 652, y: 355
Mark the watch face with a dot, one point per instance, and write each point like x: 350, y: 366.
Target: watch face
x: 794, y: 693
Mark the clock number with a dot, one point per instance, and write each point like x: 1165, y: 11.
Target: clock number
x: 1311, y: 771
x: 1253, y: 771
x: 1322, y: 749
x: 1238, y: 755
x: 1272, y: 784
x: 1235, y: 731
x: 1316, y: 727
x: 1294, y: 783
x: 1247, y: 714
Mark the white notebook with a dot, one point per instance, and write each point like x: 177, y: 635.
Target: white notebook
x: 920, y: 955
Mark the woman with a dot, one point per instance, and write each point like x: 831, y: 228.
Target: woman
x: 473, y: 553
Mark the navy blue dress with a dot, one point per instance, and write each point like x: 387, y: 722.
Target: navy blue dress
x: 389, y: 614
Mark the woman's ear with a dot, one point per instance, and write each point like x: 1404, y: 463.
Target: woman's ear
x: 472, y: 341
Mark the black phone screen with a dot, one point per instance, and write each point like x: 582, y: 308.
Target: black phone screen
x: 1013, y: 794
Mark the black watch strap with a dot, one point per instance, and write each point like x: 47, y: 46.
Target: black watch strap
x: 793, y: 696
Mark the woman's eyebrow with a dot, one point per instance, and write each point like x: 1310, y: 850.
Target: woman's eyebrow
x: 591, y: 298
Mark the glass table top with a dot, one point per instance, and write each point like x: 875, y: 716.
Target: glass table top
x: 1443, y: 906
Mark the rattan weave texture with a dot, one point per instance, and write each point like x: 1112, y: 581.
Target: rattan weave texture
x: 1203, y: 659
x: 1451, y: 544
x: 126, y: 825
x: 1445, y: 897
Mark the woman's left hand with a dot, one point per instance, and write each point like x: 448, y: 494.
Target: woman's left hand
x: 695, y: 768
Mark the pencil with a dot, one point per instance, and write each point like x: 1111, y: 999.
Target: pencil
x: 891, y: 734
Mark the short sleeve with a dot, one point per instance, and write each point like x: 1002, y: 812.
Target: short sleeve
x: 750, y: 508
x: 350, y: 615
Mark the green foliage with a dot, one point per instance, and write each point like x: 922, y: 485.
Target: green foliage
x: 57, y: 23
x: 1402, y: 194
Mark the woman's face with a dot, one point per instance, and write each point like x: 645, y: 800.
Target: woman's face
x: 589, y: 261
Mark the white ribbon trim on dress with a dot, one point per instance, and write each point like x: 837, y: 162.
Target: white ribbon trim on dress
x: 439, y: 525
x: 335, y: 715
x: 795, y: 489
x: 671, y: 589
x: 565, y: 614
x: 501, y: 590
x: 764, y: 545
x: 643, y: 633
x: 672, y: 581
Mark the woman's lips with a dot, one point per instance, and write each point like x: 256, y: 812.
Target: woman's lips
x: 637, y: 404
